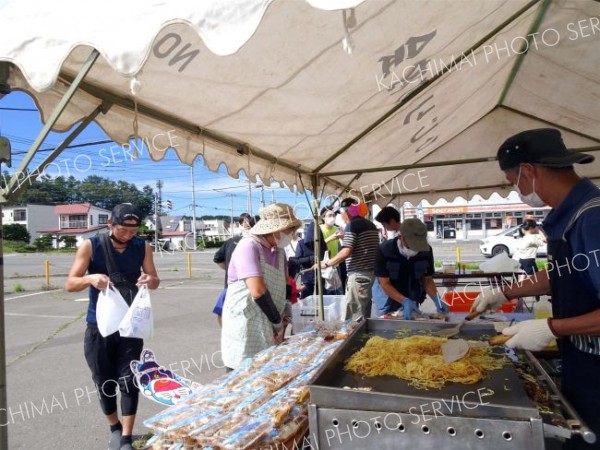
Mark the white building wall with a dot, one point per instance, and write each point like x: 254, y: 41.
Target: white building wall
x: 38, y: 217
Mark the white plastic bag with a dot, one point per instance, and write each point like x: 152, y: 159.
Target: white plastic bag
x: 110, y: 310
x: 139, y: 321
x: 332, y: 278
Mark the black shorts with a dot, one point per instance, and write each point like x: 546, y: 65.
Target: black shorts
x: 109, y: 359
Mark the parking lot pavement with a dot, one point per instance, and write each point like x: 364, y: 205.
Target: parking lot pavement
x: 52, y: 402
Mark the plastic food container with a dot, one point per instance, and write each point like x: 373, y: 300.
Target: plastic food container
x: 304, y: 312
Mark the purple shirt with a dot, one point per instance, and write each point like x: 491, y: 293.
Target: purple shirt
x: 245, y: 260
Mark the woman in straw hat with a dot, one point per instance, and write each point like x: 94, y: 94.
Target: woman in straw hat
x: 255, y: 302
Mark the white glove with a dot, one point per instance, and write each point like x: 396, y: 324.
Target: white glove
x: 489, y: 299
x: 531, y: 335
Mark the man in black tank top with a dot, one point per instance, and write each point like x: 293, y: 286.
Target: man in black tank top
x: 109, y: 357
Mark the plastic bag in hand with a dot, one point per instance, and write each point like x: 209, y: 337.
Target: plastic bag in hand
x: 139, y: 321
x: 110, y: 310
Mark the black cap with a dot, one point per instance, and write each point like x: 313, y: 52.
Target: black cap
x: 123, y: 212
x: 542, y: 146
x: 348, y: 201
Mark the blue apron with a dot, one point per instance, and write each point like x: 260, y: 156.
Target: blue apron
x: 580, y: 354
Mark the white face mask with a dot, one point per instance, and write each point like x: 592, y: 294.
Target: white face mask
x: 532, y: 199
x: 406, y: 252
x: 330, y: 221
x: 284, y: 240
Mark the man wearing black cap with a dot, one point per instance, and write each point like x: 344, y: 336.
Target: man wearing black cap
x: 540, y: 167
x: 404, y: 268
x: 359, y: 246
x: 109, y: 357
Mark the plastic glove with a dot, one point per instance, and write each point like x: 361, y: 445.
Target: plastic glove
x: 531, y: 335
x: 490, y: 298
x: 441, y: 307
x: 408, y: 308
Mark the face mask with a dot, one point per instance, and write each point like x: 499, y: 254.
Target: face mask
x: 284, y: 240
x: 330, y: 221
x: 532, y: 199
x: 406, y: 252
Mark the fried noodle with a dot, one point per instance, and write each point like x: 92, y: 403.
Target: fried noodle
x: 419, y: 360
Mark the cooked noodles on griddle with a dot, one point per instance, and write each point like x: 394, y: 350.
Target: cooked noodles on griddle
x: 419, y: 360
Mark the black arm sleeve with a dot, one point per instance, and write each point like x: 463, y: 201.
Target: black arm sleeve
x: 265, y: 303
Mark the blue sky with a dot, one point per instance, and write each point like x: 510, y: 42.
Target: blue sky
x: 215, y: 191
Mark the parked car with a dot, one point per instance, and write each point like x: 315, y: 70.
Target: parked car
x: 506, y: 242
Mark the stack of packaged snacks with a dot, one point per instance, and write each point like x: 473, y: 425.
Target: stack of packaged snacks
x: 262, y: 404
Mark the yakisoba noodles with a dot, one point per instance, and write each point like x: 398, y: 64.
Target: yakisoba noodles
x: 419, y: 360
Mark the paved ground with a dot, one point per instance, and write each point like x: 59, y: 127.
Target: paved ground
x: 51, y: 399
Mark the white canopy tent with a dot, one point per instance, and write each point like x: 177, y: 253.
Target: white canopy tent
x: 391, y: 99
x: 267, y: 86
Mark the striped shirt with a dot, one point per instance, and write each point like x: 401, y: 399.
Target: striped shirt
x: 362, y: 237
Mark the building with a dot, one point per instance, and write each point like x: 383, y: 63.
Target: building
x: 476, y: 219
x: 81, y: 220
x: 32, y: 216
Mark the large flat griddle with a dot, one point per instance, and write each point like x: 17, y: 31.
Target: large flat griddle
x: 335, y: 387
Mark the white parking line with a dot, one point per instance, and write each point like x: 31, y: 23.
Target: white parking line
x: 40, y: 315
x: 26, y: 295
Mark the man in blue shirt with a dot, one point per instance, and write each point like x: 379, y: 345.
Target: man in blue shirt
x: 109, y: 357
x: 540, y: 167
x: 404, y: 268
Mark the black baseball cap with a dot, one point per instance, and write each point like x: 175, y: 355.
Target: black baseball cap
x: 346, y: 203
x: 541, y: 146
x: 123, y: 212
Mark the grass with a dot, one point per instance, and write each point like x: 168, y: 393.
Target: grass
x: 18, y: 287
x: 141, y: 441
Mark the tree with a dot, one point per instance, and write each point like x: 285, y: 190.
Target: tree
x: 43, y: 243
x: 98, y: 191
x: 68, y: 240
x: 16, y: 232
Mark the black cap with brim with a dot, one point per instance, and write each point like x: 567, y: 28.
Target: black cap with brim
x: 123, y: 212
x: 542, y: 146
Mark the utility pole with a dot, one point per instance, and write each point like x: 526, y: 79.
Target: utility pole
x: 272, y: 196
x: 250, y: 196
x: 156, y: 219
x: 231, y: 222
x: 193, y: 208
x: 159, y: 185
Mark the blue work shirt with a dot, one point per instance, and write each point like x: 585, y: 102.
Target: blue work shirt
x: 583, y: 238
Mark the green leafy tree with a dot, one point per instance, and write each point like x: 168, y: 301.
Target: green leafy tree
x: 69, y: 241
x: 16, y: 232
x: 44, y: 243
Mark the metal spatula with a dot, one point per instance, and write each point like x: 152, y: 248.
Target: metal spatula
x: 453, y: 331
x: 454, y: 350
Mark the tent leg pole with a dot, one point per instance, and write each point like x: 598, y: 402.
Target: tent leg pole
x: 58, y: 110
x: 317, y: 241
x: 3, y: 399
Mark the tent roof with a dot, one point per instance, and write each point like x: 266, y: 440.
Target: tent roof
x: 415, y: 111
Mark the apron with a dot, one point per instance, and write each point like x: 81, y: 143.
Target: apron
x: 246, y: 329
x: 580, y: 354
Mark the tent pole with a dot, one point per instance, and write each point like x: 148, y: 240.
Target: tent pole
x: 3, y: 399
x: 58, y: 110
x: 317, y: 241
x: 22, y: 183
x: 3, y: 198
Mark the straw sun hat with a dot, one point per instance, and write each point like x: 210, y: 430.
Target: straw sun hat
x: 275, y: 217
